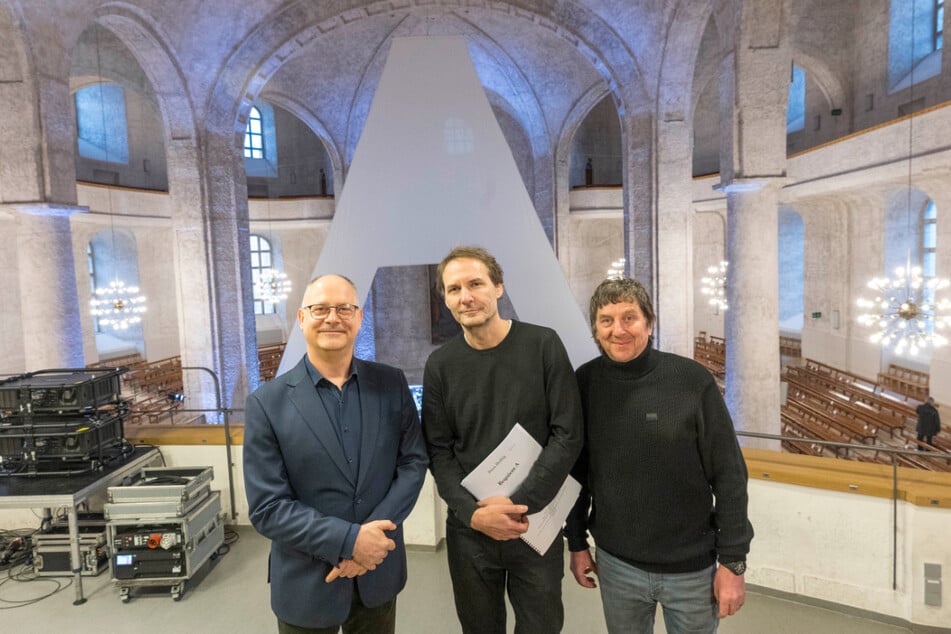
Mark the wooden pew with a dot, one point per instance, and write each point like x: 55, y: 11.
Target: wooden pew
x: 912, y: 383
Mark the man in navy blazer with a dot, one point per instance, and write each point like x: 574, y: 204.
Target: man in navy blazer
x: 334, y: 460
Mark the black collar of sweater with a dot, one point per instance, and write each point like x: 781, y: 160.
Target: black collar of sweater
x: 634, y: 369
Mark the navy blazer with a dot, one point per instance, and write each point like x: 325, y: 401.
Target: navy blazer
x: 302, y: 495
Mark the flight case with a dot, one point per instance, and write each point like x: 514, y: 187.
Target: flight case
x: 164, y: 552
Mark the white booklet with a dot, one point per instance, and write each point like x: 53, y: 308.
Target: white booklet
x: 504, y: 470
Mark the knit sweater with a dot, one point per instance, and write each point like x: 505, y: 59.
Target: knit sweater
x: 661, y: 467
x: 472, y: 399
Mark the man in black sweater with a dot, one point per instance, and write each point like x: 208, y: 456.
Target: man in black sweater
x: 475, y: 389
x: 663, y: 479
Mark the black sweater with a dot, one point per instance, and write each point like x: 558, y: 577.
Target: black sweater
x: 661, y: 467
x: 472, y: 399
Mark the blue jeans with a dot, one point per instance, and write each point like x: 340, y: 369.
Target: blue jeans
x: 630, y: 597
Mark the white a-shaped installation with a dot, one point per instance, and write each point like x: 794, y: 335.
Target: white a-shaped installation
x: 432, y: 171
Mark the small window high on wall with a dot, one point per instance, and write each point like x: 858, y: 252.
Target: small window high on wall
x: 254, y: 135
x: 101, y: 123
x: 915, y: 40
x: 938, y: 25
x: 796, y: 108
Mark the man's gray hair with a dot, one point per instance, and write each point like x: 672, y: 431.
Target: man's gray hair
x: 620, y: 289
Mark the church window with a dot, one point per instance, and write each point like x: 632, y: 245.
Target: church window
x: 101, y: 129
x: 261, y: 260
x: 796, y: 109
x: 254, y: 135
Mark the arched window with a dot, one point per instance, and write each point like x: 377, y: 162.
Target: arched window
x: 796, y: 109
x: 791, y: 271
x: 261, y: 260
x: 101, y: 123
x: 254, y: 135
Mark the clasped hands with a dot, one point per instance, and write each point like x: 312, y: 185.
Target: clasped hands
x: 500, y: 519
x: 369, y: 551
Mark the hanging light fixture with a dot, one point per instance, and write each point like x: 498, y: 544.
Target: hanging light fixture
x: 616, y: 271
x: 907, y: 312
x: 714, y: 286
x: 116, y: 306
x: 272, y: 286
x: 902, y: 313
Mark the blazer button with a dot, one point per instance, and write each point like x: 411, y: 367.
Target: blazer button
x: 359, y: 500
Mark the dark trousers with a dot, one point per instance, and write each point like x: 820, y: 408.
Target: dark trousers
x: 361, y: 620
x: 482, y: 569
x: 925, y: 438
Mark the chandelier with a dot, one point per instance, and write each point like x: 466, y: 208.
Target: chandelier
x: 117, y: 306
x: 272, y: 286
x: 714, y: 286
x: 907, y: 312
x: 616, y: 271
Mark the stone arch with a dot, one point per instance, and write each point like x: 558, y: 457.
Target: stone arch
x: 579, y: 110
x: 199, y: 320
x: 312, y: 121
x: 289, y: 29
x: 21, y: 159
x: 828, y: 81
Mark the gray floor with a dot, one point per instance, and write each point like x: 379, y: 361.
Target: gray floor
x: 231, y: 596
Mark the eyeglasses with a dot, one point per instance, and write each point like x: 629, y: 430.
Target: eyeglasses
x: 344, y: 311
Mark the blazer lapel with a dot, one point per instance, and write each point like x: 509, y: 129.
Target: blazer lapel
x: 304, y: 397
x: 370, y: 400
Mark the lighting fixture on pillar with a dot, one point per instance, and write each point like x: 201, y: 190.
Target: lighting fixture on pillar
x: 116, y: 306
x: 907, y: 312
x: 616, y: 271
x: 714, y: 286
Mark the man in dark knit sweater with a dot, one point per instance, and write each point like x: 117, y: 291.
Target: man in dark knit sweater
x: 475, y: 389
x: 663, y: 479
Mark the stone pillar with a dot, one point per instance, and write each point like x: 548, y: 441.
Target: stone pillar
x: 49, y: 303
x: 212, y: 269
x: 674, y: 234
x: 637, y: 138
x: 752, y: 318
x: 754, y: 89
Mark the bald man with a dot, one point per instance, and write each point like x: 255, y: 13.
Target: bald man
x: 334, y: 460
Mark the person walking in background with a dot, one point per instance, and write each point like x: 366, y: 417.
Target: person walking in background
x: 929, y: 422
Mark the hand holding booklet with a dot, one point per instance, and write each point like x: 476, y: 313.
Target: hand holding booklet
x: 504, y: 470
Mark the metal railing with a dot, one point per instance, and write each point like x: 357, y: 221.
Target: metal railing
x: 894, y: 453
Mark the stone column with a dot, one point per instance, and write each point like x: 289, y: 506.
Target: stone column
x: 637, y: 138
x: 752, y: 318
x: 212, y: 268
x: 49, y: 303
x: 674, y: 235
x: 754, y: 89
